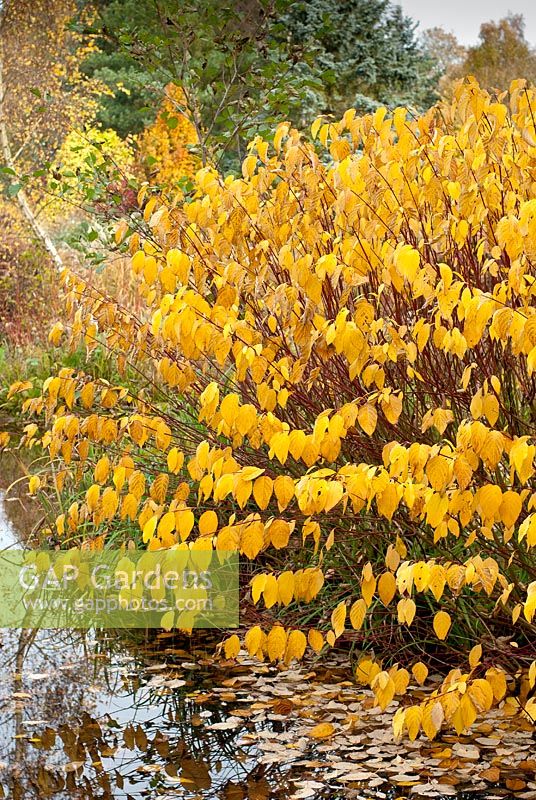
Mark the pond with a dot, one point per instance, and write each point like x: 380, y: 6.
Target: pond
x: 134, y: 716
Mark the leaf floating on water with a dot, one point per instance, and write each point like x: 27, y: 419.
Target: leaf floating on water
x: 231, y: 723
x: 322, y: 731
x: 492, y: 774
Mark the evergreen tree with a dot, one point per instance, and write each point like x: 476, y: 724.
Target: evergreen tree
x: 365, y: 50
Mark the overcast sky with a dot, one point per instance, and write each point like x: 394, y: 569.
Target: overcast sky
x: 463, y: 17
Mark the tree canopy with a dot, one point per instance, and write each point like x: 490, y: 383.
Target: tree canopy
x: 245, y: 65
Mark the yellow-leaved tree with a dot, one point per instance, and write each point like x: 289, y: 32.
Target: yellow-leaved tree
x: 166, y: 144
x: 341, y: 344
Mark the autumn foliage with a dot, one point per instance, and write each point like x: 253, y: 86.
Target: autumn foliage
x: 340, y: 347
x: 166, y: 144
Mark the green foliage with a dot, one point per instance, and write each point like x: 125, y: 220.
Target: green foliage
x: 245, y: 65
x: 233, y: 63
x: 365, y: 51
x: 127, y: 108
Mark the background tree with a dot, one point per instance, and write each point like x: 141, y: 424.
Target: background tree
x: 365, y: 51
x: 45, y: 92
x: 501, y: 55
x: 444, y: 50
x: 44, y: 98
x: 249, y: 63
x: 232, y: 62
x: 166, y: 145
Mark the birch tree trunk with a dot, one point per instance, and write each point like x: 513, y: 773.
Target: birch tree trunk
x: 21, y: 196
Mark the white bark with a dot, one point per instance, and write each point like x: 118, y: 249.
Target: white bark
x: 21, y: 196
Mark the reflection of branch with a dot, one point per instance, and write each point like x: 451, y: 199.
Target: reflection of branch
x: 22, y: 199
x: 25, y: 640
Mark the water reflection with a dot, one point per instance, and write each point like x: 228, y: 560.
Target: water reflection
x: 73, y: 726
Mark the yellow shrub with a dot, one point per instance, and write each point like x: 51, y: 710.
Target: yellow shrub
x: 345, y: 337
x: 88, y: 158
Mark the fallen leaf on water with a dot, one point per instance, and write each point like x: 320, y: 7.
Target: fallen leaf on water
x: 515, y: 784
x: 230, y: 724
x: 492, y: 774
x: 322, y: 731
x: 283, y: 706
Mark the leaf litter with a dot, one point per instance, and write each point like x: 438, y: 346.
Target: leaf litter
x: 249, y: 730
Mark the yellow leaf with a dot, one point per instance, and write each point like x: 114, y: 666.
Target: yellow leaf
x: 296, y: 644
x: 401, y: 680
x: 315, y: 127
x: 55, y: 334
x: 284, y: 490
x: 316, y: 640
x: 150, y: 269
x: 338, y: 618
x: 92, y: 496
x: 357, y: 613
x: 175, y: 460
x: 490, y: 408
x: 276, y: 643
x: 279, y: 444
x: 413, y: 719
x: 407, y: 262
x: 279, y: 533
x: 399, y: 722
x: 366, y: 671
x: 442, y: 623
x: 386, y: 587
x: 253, y: 640
x: 510, y: 508
x: 262, y: 491
x: 159, y: 487
x: 388, y: 500
x: 231, y: 646
x: 475, y: 656
x: 252, y: 539
x: 102, y: 469
x: 384, y: 689
x: 432, y: 719
x: 438, y: 472
x: 481, y: 694
x: 257, y: 586
x: 392, y: 408
x: 367, y: 416
x: 17, y: 387
x: 420, y: 672
x: 166, y: 526
x: 270, y: 591
x: 285, y: 587
x: 322, y: 731
x: 184, y: 522
x: 497, y: 680
x: 149, y: 528
x: 208, y: 523
x: 34, y: 484
x: 248, y: 166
